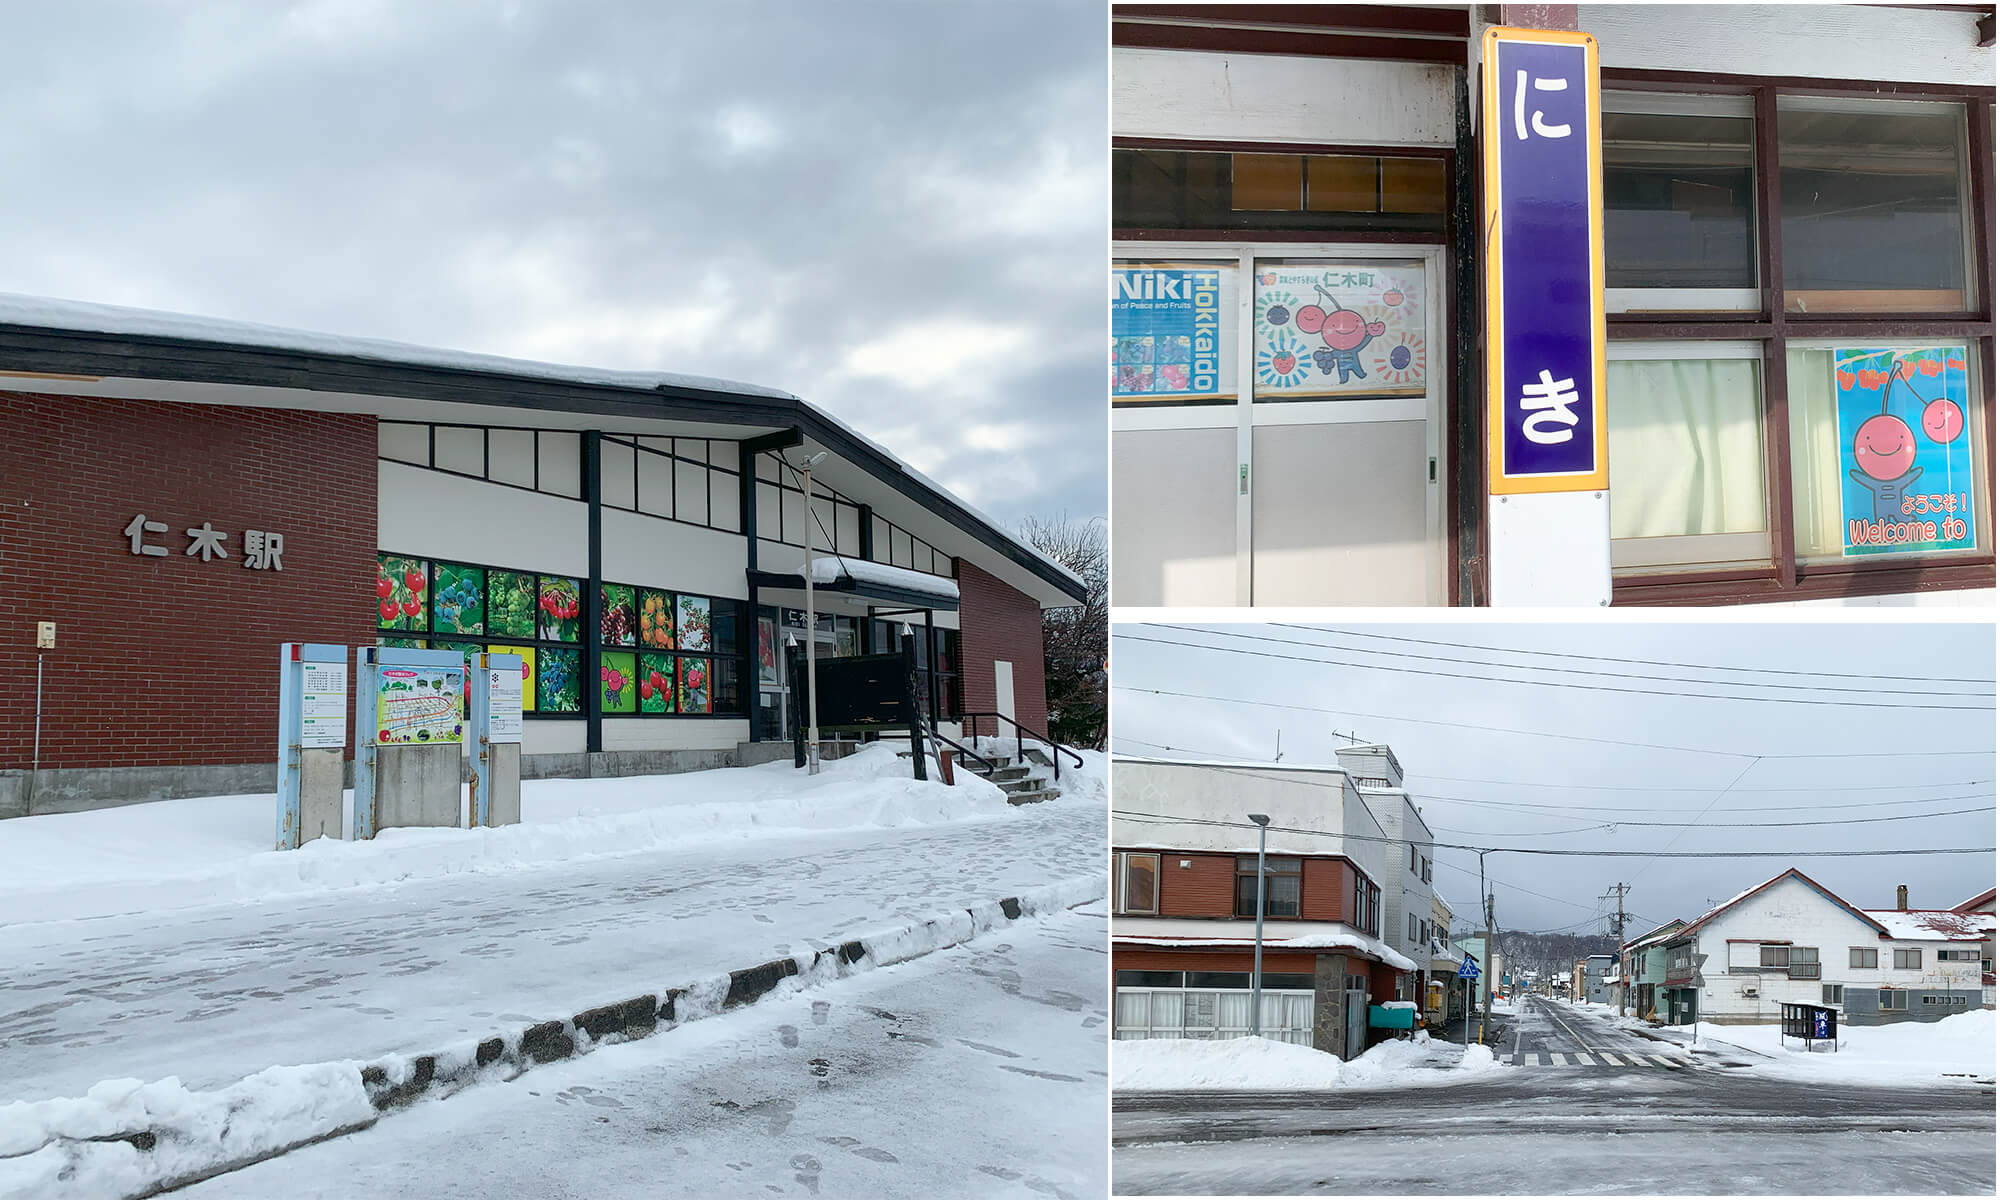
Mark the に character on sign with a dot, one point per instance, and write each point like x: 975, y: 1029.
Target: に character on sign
x: 1521, y: 121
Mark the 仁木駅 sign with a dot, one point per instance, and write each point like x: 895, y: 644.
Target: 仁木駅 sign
x: 1544, y: 263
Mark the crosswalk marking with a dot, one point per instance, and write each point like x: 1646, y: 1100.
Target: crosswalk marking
x: 1603, y: 1058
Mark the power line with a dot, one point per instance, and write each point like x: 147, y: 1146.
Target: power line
x: 1568, y: 737
x: 1723, y: 825
x: 1164, y: 819
x: 1646, y: 662
x: 1616, y: 787
x: 1553, y: 683
x: 1553, y: 809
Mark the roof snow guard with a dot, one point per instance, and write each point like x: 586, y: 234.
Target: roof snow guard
x: 72, y: 339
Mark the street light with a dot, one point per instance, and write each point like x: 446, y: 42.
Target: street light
x: 1257, y: 952
x: 812, y: 629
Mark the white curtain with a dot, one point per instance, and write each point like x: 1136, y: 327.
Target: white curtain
x: 1818, y: 459
x: 1687, y: 447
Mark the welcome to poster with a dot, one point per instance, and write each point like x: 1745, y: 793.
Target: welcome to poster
x: 1906, y: 450
x: 1171, y: 325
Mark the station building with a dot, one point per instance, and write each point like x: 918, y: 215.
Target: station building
x: 1797, y: 236
x: 178, y: 496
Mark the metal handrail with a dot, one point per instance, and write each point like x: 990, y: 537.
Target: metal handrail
x: 932, y: 730
x: 971, y: 719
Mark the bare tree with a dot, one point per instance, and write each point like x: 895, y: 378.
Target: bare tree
x: 1075, y: 640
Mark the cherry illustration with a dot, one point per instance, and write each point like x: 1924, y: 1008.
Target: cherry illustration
x: 1943, y: 421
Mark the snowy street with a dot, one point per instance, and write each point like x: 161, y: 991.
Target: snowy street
x: 214, y: 993
x: 1592, y: 1105
x: 975, y: 1071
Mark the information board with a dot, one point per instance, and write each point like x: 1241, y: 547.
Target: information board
x: 419, y: 705
x: 503, y: 694
x: 1173, y: 332
x: 323, y: 706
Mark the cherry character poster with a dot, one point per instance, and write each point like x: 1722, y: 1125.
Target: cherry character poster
x: 1330, y: 330
x: 1906, y: 450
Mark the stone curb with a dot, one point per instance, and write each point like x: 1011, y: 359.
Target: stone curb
x: 398, y: 1081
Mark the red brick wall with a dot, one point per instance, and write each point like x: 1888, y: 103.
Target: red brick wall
x: 998, y: 622
x: 171, y: 661
x: 1276, y: 962
x: 1207, y: 886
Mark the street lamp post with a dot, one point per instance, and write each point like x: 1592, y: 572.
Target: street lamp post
x: 1257, y: 952
x: 812, y: 629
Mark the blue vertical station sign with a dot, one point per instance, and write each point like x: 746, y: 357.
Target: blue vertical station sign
x: 1545, y: 423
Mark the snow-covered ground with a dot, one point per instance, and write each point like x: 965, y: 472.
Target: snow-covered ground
x: 186, y: 853
x: 1909, y: 1053
x: 1259, y: 1064
x: 978, y: 1071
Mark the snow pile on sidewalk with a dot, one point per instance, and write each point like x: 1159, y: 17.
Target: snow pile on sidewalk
x: 47, y: 1148
x: 182, y: 853
x: 1258, y: 1064
x: 1913, y: 1053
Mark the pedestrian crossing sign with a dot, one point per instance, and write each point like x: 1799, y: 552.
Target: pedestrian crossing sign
x: 1468, y: 969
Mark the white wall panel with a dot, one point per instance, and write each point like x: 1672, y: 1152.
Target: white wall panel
x: 670, y: 554
x: 1173, y: 503
x: 1822, y: 41
x: 665, y: 733
x: 1275, y: 98
x: 444, y: 516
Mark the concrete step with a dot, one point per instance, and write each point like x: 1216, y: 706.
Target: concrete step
x: 1026, y: 784
x: 1006, y: 774
x: 1034, y: 797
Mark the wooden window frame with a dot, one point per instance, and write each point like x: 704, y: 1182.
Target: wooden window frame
x: 1784, y: 578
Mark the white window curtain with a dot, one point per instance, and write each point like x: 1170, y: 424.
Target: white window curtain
x: 1687, y: 448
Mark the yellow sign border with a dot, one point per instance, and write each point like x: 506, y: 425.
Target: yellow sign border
x: 1498, y: 482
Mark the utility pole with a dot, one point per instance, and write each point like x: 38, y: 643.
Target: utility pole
x: 1619, y: 889
x: 1492, y: 976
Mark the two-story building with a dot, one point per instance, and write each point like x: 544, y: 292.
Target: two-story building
x: 1445, y: 997
x: 1184, y: 904
x: 1790, y: 940
x: 1406, y: 890
x: 1982, y: 905
x: 1598, y: 972
x: 1645, y: 967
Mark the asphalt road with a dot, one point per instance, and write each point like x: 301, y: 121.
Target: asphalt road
x: 976, y: 1071
x: 1627, y: 1129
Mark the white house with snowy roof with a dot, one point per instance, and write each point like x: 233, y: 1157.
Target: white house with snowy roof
x: 1790, y: 940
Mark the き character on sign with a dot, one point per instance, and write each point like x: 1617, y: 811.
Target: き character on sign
x: 1546, y: 404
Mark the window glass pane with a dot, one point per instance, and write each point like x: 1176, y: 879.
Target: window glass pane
x: 1178, y: 189
x: 618, y: 618
x: 615, y: 468
x: 1281, y: 896
x: 528, y: 673
x: 561, y: 606
x: 692, y: 625
x: 510, y: 456
x: 1872, y: 207
x: 404, y: 443
x: 1339, y: 329
x: 1887, y: 452
x: 723, y: 616
x: 558, y: 454
x: 510, y: 603
x: 1687, y: 461
x: 1142, y: 882
x: 792, y: 510
x: 400, y: 587
x: 461, y: 450
x: 459, y: 604
x: 690, y: 492
x: 694, y: 685
x: 727, y: 692
x: 725, y: 501
x: 656, y: 485
x: 556, y: 687
x: 618, y: 681
x: 656, y: 683
x: 1677, y: 201
x: 1173, y: 333
x: 1270, y: 182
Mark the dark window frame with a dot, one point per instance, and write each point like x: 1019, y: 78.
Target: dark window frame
x: 1274, y: 868
x: 883, y: 549
x: 1784, y: 577
x: 1125, y: 858
x: 586, y: 696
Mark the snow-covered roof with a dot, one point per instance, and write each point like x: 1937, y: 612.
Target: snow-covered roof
x: 85, y: 317
x: 1789, y: 872
x: 832, y: 570
x: 81, y: 316
x: 1374, y: 947
x: 1927, y: 924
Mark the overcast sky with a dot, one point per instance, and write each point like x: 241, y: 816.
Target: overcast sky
x: 1457, y: 774
x: 895, y: 210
